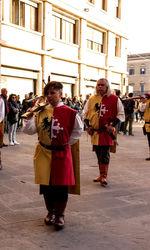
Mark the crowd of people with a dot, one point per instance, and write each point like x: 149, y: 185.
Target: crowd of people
x: 59, y: 125
x: 11, y: 110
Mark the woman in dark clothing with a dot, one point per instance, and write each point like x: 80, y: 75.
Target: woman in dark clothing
x: 12, y: 119
x: 19, y: 123
x: 76, y: 105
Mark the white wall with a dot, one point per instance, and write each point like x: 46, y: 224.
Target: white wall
x: 19, y: 86
x: 64, y: 68
x: 20, y: 59
x: 18, y: 37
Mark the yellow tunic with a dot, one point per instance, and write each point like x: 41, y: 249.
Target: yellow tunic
x: 43, y: 156
x: 147, y: 116
x: 93, y: 117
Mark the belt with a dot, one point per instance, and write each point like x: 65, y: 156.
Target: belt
x: 113, y: 137
x: 53, y: 147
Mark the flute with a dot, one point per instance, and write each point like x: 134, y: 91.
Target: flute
x: 36, y: 108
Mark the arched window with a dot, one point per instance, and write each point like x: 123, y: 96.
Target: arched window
x: 142, y: 87
x: 131, y: 71
x: 142, y: 70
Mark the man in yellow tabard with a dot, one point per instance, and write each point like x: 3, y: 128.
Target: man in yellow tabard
x: 56, y: 169
x: 102, y: 112
x: 147, y: 122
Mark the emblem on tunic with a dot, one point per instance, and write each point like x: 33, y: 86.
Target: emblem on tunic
x: 47, y: 125
x: 56, y: 128
x: 52, y: 126
x: 97, y: 108
x: 103, y: 110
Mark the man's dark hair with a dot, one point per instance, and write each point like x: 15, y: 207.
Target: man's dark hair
x: 130, y: 94
x: 118, y: 92
x: 30, y: 94
x: 53, y: 84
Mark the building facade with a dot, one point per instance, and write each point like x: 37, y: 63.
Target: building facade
x: 138, y: 67
x: 72, y: 41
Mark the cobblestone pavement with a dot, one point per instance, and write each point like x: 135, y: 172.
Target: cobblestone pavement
x: 116, y: 217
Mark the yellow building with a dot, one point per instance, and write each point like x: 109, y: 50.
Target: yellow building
x: 72, y: 41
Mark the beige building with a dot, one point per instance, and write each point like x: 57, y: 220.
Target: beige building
x: 72, y: 41
x: 138, y: 67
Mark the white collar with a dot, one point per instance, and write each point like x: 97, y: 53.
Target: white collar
x: 58, y: 105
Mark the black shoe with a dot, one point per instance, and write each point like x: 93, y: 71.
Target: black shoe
x: 59, y: 222
x: 103, y: 181
x: 4, y: 145
x: 147, y: 159
x: 50, y: 219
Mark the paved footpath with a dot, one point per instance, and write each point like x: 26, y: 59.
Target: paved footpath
x: 113, y: 218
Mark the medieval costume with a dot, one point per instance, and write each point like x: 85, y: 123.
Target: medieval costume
x: 146, y: 127
x: 58, y: 128
x: 101, y: 112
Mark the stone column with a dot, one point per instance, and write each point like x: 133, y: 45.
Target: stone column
x: 46, y: 40
x: 82, y: 57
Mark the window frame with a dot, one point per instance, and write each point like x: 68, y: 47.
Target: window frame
x: 95, y: 44
x: 16, y: 13
x: 118, y: 8
x: 65, y: 23
x: 118, y: 46
x: 131, y: 71
x: 142, y: 87
x: 2, y: 10
x: 104, y: 5
x: 34, y: 23
x: 142, y: 69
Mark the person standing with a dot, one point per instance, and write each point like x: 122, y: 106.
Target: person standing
x: 19, y: 123
x: 129, y: 105
x: 58, y: 126
x: 30, y: 100
x: 25, y: 105
x: 136, y: 110
x: 147, y: 120
x: 4, y: 110
x: 13, y: 119
x: 118, y: 93
x: 142, y: 107
x: 101, y: 114
x: 86, y: 99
